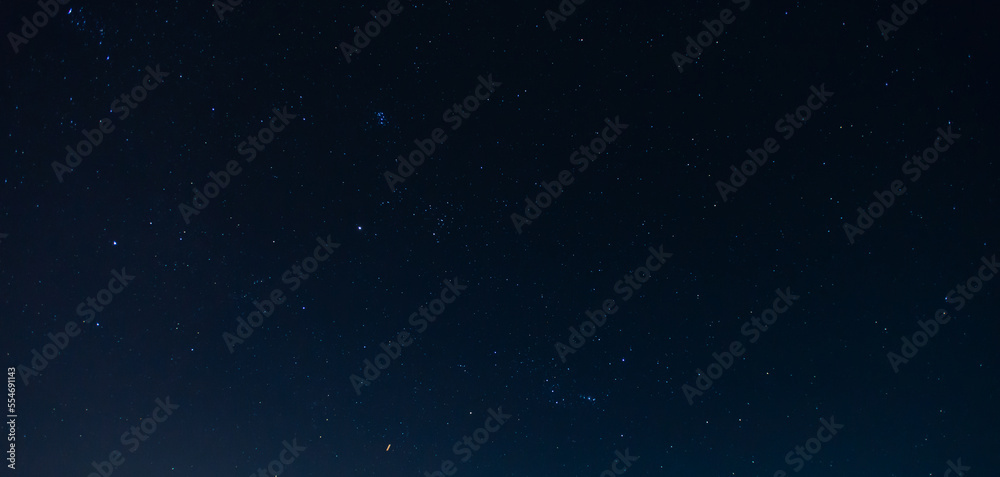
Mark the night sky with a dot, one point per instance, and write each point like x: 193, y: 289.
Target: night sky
x: 500, y: 239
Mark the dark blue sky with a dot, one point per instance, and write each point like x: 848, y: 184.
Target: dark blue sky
x: 607, y: 247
